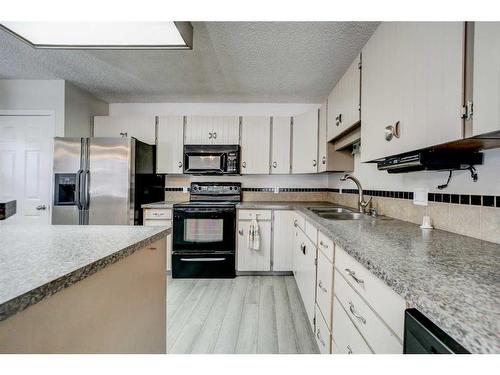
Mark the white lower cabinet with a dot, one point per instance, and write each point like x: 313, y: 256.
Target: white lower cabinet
x: 322, y: 333
x: 324, y: 287
x: 249, y: 259
x: 345, y: 337
x: 283, y: 222
x: 160, y: 217
x: 304, y: 269
x: 376, y: 333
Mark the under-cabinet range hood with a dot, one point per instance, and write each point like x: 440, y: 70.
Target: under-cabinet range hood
x: 433, y: 160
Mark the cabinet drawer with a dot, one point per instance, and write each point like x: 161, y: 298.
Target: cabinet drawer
x: 251, y: 214
x: 157, y: 223
x: 345, y: 337
x: 158, y: 213
x: 311, y: 232
x: 324, y: 291
x: 380, y: 338
x: 299, y: 221
x: 389, y: 305
x: 325, y: 244
x: 322, y: 334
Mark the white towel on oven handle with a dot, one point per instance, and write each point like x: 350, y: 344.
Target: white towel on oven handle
x: 254, y: 235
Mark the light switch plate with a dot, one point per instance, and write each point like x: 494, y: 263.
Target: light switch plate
x: 185, y: 189
x: 276, y: 190
x: 420, y: 197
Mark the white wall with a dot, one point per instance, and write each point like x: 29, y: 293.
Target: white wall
x: 461, y: 182
x: 80, y: 106
x: 17, y: 94
x: 228, y: 109
x: 72, y: 106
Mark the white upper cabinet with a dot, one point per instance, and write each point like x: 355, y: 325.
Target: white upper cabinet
x: 169, y: 151
x: 280, y: 148
x: 305, y: 142
x: 255, y: 144
x: 411, y: 87
x: 343, y: 101
x: 486, y: 78
x: 206, y: 130
x: 322, y: 141
x: 141, y: 128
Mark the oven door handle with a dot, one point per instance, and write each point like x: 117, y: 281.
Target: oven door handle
x: 202, y: 259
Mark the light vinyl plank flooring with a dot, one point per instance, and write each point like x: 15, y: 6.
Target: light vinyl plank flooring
x: 248, y: 314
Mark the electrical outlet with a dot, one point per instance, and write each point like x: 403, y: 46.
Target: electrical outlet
x: 185, y: 189
x: 276, y: 190
x: 420, y: 197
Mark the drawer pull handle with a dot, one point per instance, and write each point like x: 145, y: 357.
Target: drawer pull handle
x: 303, y: 248
x: 323, y: 244
x: 356, y: 315
x: 353, y: 275
x: 320, y: 284
x: 318, y: 335
x: 349, y: 350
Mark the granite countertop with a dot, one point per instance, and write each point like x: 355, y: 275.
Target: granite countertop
x: 38, y: 261
x: 453, y: 279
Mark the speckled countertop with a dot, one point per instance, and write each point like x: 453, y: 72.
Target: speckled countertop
x: 454, y: 280
x: 38, y: 261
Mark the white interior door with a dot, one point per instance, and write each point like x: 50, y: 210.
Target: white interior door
x: 26, y: 144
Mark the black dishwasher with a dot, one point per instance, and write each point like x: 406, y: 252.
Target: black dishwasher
x: 421, y: 336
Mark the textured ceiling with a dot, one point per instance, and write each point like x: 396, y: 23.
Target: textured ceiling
x: 230, y: 62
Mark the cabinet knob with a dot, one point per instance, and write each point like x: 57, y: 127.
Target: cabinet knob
x: 210, y: 135
x: 179, y: 164
x: 240, y: 232
x: 349, y: 350
x: 323, y: 160
x: 315, y: 163
x: 338, y: 120
x: 124, y: 135
x: 392, y: 131
x: 215, y: 135
x: 244, y: 164
x: 275, y: 164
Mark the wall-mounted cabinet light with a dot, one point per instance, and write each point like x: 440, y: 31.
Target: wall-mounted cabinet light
x: 103, y: 35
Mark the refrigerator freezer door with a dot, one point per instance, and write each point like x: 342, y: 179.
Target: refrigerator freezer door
x: 108, y: 181
x: 67, y: 165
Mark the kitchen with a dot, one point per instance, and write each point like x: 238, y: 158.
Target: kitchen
x: 358, y: 215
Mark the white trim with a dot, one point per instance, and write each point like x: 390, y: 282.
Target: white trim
x: 27, y: 112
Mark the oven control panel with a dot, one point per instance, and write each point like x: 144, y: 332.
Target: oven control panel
x: 216, y: 191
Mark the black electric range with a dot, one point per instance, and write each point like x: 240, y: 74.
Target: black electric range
x: 204, y: 231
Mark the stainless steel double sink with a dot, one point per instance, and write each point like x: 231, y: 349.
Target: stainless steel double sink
x: 340, y: 213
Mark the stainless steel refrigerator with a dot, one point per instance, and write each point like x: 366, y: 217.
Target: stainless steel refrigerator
x: 103, y: 180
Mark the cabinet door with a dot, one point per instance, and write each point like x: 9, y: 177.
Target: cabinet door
x: 280, y: 148
x: 141, y: 128
x: 305, y: 143
x: 255, y: 144
x: 343, y: 102
x: 226, y: 130
x: 198, y: 130
x: 169, y: 152
x: 486, y: 81
x: 412, y: 77
x: 322, y: 142
x: 305, y: 273
x: 282, y: 241
x: 254, y: 260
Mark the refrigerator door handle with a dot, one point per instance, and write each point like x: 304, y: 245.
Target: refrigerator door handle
x: 78, y: 191
x: 87, y: 188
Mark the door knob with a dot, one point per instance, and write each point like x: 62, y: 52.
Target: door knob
x: 42, y: 207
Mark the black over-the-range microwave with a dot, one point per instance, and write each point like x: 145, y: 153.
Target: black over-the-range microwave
x: 212, y: 159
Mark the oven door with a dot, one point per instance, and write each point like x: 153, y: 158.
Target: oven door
x: 204, y: 230
x: 205, y: 162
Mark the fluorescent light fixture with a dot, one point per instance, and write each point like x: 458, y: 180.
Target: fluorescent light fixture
x: 103, y: 35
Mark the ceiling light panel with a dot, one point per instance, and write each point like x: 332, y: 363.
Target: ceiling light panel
x: 103, y: 35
